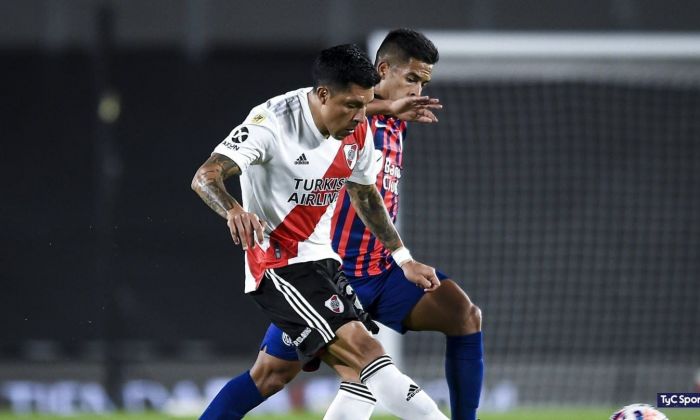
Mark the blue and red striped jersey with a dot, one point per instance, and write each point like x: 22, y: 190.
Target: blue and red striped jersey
x: 363, y: 255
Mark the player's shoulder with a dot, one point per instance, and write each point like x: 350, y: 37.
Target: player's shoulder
x: 289, y: 103
x: 260, y: 116
x: 278, y: 112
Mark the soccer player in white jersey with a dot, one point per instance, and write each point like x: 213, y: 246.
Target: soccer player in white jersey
x: 293, y: 154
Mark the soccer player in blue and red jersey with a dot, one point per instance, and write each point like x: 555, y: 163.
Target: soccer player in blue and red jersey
x: 405, y: 62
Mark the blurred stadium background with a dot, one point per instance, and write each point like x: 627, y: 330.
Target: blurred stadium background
x: 561, y: 188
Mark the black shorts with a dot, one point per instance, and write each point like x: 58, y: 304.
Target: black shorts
x: 303, y: 301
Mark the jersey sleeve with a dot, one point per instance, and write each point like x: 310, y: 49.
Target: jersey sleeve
x: 367, y: 166
x: 251, y: 143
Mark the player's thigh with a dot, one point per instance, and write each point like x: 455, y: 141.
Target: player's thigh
x: 448, y: 309
x: 388, y: 297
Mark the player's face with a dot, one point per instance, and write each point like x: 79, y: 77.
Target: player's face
x: 343, y: 110
x: 404, y: 79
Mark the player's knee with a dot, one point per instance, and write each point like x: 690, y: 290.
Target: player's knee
x: 474, y: 318
x: 368, y: 348
x: 468, y: 320
x: 355, y: 347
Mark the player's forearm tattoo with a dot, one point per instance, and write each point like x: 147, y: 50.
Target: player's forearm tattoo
x: 370, y: 207
x: 208, y: 183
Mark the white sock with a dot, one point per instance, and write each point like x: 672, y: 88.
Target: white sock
x: 397, y: 392
x: 352, y: 402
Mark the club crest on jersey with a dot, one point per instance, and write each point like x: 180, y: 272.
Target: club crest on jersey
x: 350, y: 154
x: 286, y: 339
x: 335, y: 304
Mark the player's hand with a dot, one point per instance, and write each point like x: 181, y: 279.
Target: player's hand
x: 415, y: 108
x: 421, y: 275
x: 245, y: 227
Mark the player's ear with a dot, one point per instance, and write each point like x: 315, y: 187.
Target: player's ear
x: 323, y: 94
x: 383, y: 69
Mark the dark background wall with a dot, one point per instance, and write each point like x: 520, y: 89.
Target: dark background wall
x: 199, y: 25
x: 171, y: 269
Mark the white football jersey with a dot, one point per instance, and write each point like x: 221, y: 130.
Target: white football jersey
x: 291, y: 178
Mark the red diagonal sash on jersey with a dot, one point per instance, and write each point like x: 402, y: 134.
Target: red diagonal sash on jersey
x: 301, y: 221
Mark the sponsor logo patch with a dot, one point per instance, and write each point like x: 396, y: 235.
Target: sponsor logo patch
x: 302, y: 337
x: 230, y: 145
x: 257, y: 119
x: 240, y: 134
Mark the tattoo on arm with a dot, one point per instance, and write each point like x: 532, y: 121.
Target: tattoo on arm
x: 370, y: 207
x: 208, y: 183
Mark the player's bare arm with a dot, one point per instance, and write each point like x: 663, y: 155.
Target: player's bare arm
x: 370, y: 207
x: 208, y: 183
x: 409, y: 108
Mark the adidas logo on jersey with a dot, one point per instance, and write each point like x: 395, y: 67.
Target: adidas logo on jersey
x: 301, y: 160
x: 412, y: 391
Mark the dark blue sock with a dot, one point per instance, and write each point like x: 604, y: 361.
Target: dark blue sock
x: 235, y: 400
x: 464, y: 369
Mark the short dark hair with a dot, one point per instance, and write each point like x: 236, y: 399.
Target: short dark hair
x: 406, y: 44
x: 342, y: 65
